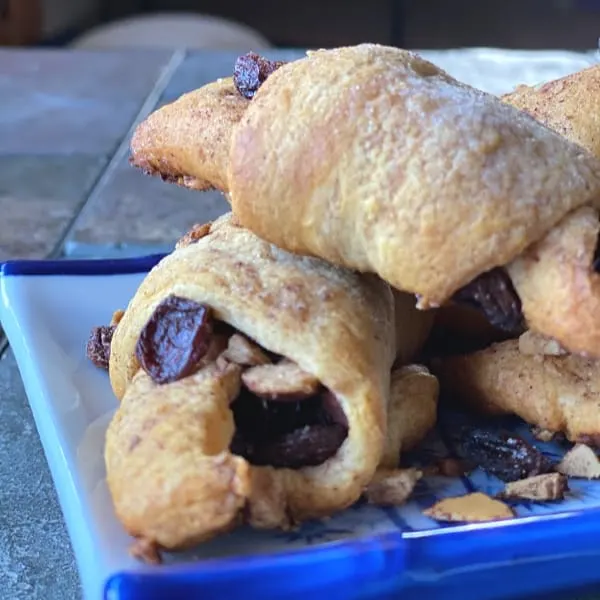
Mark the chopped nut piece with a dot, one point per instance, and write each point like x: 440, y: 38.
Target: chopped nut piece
x: 196, y: 233
x: 549, y: 486
x: 116, y: 317
x: 242, y: 351
x: 471, y: 508
x: 146, y: 551
x: 580, y: 461
x: 533, y: 343
x: 392, y: 487
x: 285, y: 381
x: 543, y: 435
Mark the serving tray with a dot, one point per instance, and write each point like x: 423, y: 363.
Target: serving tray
x: 47, y: 310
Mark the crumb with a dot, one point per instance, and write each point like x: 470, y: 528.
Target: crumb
x: 116, y: 317
x: 549, y: 486
x: 581, y: 461
x: 471, y: 508
x: 392, y: 487
x: 542, y: 435
x: 146, y: 551
x: 197, y: 232
x: 532, y: 343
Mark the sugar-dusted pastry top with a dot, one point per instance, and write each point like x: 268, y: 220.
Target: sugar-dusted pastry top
x: 375, y: 159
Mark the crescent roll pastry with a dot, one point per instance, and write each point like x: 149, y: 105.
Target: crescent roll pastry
x: 375, y: 159
x: 254, y: 388
x: 569, y: 105
x: 555, y: 391
x: 187, y: 142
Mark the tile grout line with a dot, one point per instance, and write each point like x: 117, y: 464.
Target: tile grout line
x: 123, y: 148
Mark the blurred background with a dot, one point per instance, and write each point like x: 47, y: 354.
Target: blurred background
x: 527, y: 24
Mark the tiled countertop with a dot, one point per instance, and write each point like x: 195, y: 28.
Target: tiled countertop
x: 66, y: 189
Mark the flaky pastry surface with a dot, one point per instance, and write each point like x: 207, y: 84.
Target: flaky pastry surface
x: 556, y: 393
x: 171, y: 474
x: 375, y: 159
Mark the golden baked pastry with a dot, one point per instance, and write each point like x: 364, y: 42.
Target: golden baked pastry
x: 569, y: 105
x: 187, y: 142
x: 375, y: 159
x: 254, y: 387
x: 556, y: 392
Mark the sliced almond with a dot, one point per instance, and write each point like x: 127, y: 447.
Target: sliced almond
x: 533, y: 343
x: 285, y: 381
x: 549, y: 486
x: 471, y: 508
x: 242, y: 351
x: 392, y: 487
x: 580, y: 461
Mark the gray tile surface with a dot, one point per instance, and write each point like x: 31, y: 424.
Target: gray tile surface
x: 133, y: 208
x: 64, y: 102
x: 39, y: 197
x: 36, y: 560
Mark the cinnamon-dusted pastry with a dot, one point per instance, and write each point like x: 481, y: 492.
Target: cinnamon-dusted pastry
x: 569, y: 105
x: 187, y: 142
x: 254, y: 387
x: 375, y: 159
x: 556, y: 392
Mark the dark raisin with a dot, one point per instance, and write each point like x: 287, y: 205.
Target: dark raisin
x: 310, y: 446
x: 251, y: 71
x: 495, y: 296
x: 505, y: 455
x: 596, y: 261
x: 288, y: 434
x: 98, y: 345
x: 174, y: 340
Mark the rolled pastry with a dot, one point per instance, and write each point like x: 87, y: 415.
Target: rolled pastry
x: 375, y: 159
x: 206, y: 439
x: 412, y: 411
x: 569, y: 105
x: 554, y: 391
x: 171, y: 145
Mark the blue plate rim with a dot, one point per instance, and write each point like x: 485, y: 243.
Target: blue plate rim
x: 80, y: 267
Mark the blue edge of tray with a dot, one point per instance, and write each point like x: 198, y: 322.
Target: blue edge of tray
x: 551, y: 556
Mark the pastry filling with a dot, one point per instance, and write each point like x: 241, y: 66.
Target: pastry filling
x: 287, y: 434
x: 284, y: 417
x: 494, y: 295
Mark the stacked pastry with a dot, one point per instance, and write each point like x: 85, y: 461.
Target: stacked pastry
x: 367, y: 187
x: 538, y: 377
